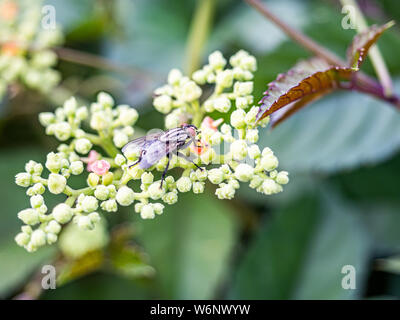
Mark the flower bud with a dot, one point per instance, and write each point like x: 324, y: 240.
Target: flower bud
x: 105, y: 100
x: 89, y: 204
x: 76, y: 167
x: 36, y: 201
x: 82, y: 113
x: 256, y: 182
x: 22, y: 239
x: 269, y: 162
x: 238, y: 149
x: 56, y: 183
x: 120, y: 139
x: 222, y: 104
x: 174, y: 76
x: 253, y: 151
x: 128, y: 116
x: 84, y: 223
x: 38, y: 238
x: 109, y: 205
x: 226, y: 191
x: 83, y: 145
x: 23, y: 179
x: 154, y: 190
x: 184, y: 184
x: 46, y: 118
x: 237, y: 118
x: 198, y: 187
x: 62, y: 130
x: 101, y: 192
x: 147, y: 212
x: 53, y: 227
x: 216, y: 60
x: 70, y: 106
x: 200, y: 76
x: 216, y: 176
x: 62, y: 213
x: 158, y: 208
x: 170, y: 197
x: 100, y: 120
x: 282, y: 177
x: 107, y: 178
x: 125, y: 196
x: 190, y: 91
x: 94, y: 217
x: 147, y: 178
x: 29, y: 216
x: 163, y: 103
x: 269, y: 186
x: 243, y: 88
x: 252, y: 135
x: 93, y: 179
x: 119, y: 160
x: 244, y: 172
x: 51, y: 238
x: 38, y: 188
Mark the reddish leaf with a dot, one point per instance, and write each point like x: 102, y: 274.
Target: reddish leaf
x: 311, y: 77
x: 362, y: 42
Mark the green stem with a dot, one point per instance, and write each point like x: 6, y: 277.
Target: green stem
x: 198, y: 34
x: 374, y: 53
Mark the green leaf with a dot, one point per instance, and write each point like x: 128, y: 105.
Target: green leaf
x: 190, y: 246
x: 343, y: 131
x: 299, y: 253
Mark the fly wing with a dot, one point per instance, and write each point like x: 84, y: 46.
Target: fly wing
x: 140, y: 143
x: 155, y: 151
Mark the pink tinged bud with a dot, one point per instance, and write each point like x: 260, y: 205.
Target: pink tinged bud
x: 210, y: 123
x: 93, y: 157
x: 100, y: 167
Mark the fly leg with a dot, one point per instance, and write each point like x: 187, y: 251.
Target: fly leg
x: 180, y: 154
x: 165, y: 171
x: 140, y: 159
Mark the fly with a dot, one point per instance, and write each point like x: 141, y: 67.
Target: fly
x: 153, y: 147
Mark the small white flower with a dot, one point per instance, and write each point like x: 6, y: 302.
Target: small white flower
x: 84, y: 223
x: 190, y: 91
x: 200, y: 76
x: 125, y: 196
x: 101, y: 192
x: 269, y: 162
x: 38, y: 238
x: 56, y: 183
x: 105, y: 99
x: 256, y: 182
x: 225, y: 78
x: 119, y: 160
x: 89, y: 204
x: 216, y: 138
x: 216, y: 176
x: 238, y: 149
x: 237, y: 118
x: 222, y: 104
x: 100, y: 120
x: 51, y: 238
x: 70, y: 106
x: 253, y: 151
x: 147, y: 178
x: 22, y: 239
x: 82, y: 113
x: 198, y: 187
x: 244, y: 172
x: 252, y: 135
x: 46, y: 118
x: 163, y: 103
x: 158, y: 208
x: 29, y: 216
x: 53, y: 227
x: 154, y: 190
x: 241, y: 103
x: 94, y: 217
x: 184, y: 184
x: 170, y: 197
x: 83, y: 145
x: 62, y: 130
x: 38, y: 188
x: 62, y: 213
x: 243, y: 88
x: 120, y: 139
x: 128, y: 116
x: 216, y: 60
x: 282, y: 177
x: 269, y: 186
x: 76, y: 167
x: 226, y: 191
x: 147, y: 212
x: 174, y: 76
x: 109, y: 205
x: 23, y: 179
x: 36, y: 201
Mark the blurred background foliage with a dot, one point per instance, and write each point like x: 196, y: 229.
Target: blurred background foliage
x: 341, y: 206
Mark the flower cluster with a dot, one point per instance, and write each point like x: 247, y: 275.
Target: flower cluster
x: 26, y: 54
x: 226, y: 152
